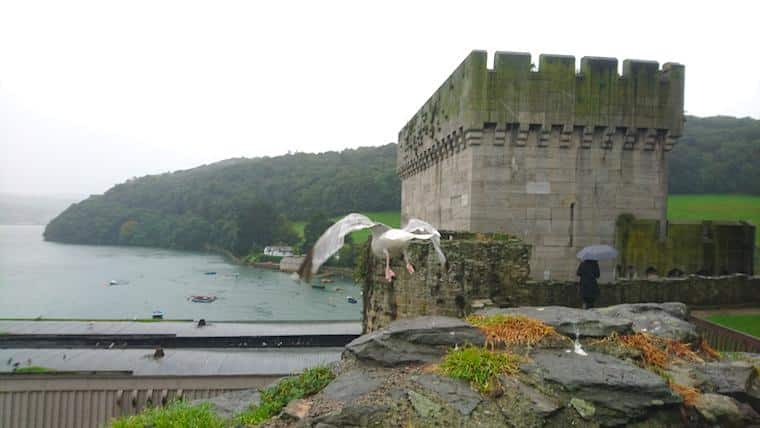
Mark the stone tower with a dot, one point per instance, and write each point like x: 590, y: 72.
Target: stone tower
x: 548, y: 154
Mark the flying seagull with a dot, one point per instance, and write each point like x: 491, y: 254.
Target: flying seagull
x: 386, y: 242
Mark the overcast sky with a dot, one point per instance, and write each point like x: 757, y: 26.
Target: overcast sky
x: 94, y: 93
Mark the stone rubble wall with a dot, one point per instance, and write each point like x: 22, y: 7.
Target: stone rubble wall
x: 479, y: 266
x: 704, y: 247
x: 496, y: 267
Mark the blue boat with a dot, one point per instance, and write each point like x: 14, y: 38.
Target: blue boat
x: 351, y: 299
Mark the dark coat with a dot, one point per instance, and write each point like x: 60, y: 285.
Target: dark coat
x: 588, y: 271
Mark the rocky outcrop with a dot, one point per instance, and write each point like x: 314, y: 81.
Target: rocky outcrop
x: 569, y: 321
x: 423, y: 339
x: 455, y: 393
x: 727, y: 377
x: 231, y: 403
x: 660, y: 319
x: 391, y: 378
x: 623, y: 390
x: 353, y: 384
x: 720, y: 410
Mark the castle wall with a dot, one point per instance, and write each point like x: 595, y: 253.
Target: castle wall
x: 551, y: 156
x: 705, y: 247
x: 493, y: 269
x: 441, y: 194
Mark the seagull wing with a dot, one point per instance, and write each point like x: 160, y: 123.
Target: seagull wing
x: 416, y: 225
x: 330, y: 242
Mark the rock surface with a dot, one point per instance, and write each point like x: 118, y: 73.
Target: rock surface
x: 537, y: 402
x: 660, y: 319
x: 423, y: 339
x: 569, y: 321
x: 619, y: 386
x: 352, y: 416
x: 423, y: 405
x: 456, y: 393
x: 231, y: 403
x: 727, y: 377
x: 353, y: 384
x: 297, y: 409
x: 583, y: 407
x: 721, y: 410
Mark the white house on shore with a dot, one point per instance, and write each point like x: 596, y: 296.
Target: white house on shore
x: 278, y: 251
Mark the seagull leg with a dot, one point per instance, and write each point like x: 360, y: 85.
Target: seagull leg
x: 409, y: 266
x: 389, y: 274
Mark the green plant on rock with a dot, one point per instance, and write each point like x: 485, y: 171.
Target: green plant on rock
x: 178, y: 414
x: 479, y: 366
x: 274, y: 398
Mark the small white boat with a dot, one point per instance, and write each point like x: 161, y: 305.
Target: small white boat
x: 113, y: 282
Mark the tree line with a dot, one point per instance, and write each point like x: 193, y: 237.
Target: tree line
x: 242, y: 205
x: 716, y: 155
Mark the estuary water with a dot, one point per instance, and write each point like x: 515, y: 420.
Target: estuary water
x: 52, y: 280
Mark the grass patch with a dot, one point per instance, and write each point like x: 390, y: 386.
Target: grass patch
x: 390, y: 218
x: 175, y: 415
x: 33, y: 369
x: 716, y: 207
x: 511, y: 329
x: 746, y: 323
x: 479, y: 366
x: 273, y: 399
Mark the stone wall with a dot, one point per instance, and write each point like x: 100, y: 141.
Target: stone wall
x: 705, y: 247
x: 480, y: 266
x: 695, y: 291
x: 548, y: 155
x: 495, y: 267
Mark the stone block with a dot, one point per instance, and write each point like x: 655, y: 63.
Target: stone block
x: 538, y: 213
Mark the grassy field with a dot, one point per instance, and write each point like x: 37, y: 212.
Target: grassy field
x: 716, y: 207
x: 747, y: 323
x: 391, y: 218
x: 680, y: 207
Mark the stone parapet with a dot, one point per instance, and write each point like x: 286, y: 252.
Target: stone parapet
x: 551, y: 106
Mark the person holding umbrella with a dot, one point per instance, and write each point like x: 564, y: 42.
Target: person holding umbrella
x: 588, y: 271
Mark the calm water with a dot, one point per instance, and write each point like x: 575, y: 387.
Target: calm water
x: 51, y: 280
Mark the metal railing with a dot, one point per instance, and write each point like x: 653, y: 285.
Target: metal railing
x: 725, y: 339
x: 92, y: 400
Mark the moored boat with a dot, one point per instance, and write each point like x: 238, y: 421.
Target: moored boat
x: 202, y: 299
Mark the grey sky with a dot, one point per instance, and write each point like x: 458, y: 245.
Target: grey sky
x: 93, y: 93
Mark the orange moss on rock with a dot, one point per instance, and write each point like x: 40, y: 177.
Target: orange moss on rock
x: 511, y: 329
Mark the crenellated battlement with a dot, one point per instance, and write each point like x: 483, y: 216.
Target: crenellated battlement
x: 555, y: 104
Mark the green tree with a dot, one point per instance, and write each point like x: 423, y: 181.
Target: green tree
x: 314, y: 228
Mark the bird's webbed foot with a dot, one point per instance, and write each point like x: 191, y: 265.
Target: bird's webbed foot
x: 409, y: 267
x: 389, y: 274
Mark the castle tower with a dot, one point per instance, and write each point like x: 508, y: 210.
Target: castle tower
x: 547, y: 154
